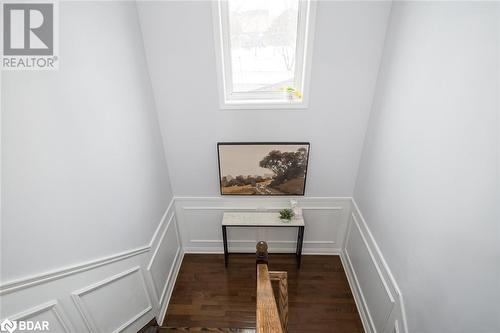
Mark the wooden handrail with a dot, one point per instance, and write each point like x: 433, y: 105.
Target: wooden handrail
x: 282, y: 278
x: 269, y: 319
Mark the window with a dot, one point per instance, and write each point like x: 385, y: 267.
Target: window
x: 263, y: 49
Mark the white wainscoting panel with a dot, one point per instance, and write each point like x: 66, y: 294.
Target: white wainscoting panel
x: 115, y: 293
x: 124, y: 294
x: 169, y: 286
x: 164, y: 265
x: 377, y: 295
x: 163, y: 258
x: 200, y: 227
x: 50, y: 312
x: 124, y: 291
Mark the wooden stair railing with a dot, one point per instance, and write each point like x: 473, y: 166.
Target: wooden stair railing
x: 282, y: 279
x: 269, y: 318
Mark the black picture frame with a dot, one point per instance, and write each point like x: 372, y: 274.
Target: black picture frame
x: 219, y: 144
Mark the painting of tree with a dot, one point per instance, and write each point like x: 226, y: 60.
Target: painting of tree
x: 286, y: 165
x: 263, y: 168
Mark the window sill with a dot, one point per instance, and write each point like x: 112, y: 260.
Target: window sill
x: 263, y: 105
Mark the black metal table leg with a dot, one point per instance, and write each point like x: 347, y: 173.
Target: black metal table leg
x: 224, y: 239
x: 300, y: 242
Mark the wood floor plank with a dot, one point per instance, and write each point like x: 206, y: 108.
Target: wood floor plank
x: 208, y: 295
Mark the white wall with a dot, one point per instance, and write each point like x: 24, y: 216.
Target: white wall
x: 428, y: 178
x: 89, y: 237
x: 179, y: 45
x: 83, y: 168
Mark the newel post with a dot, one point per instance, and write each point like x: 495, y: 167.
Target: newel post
x: 261, y: 255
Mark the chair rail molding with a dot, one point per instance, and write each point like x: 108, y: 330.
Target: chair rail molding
x: 31, y: 281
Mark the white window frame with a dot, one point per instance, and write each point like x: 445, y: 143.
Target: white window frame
x: 264, y: 100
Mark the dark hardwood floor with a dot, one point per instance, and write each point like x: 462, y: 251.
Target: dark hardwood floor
x: 206, y: 294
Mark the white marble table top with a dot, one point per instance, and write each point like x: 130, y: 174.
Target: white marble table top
x: 259, y: 219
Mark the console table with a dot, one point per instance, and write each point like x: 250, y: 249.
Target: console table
x: 259, y: 220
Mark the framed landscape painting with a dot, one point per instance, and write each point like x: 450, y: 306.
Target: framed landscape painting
x: 263, y: 168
